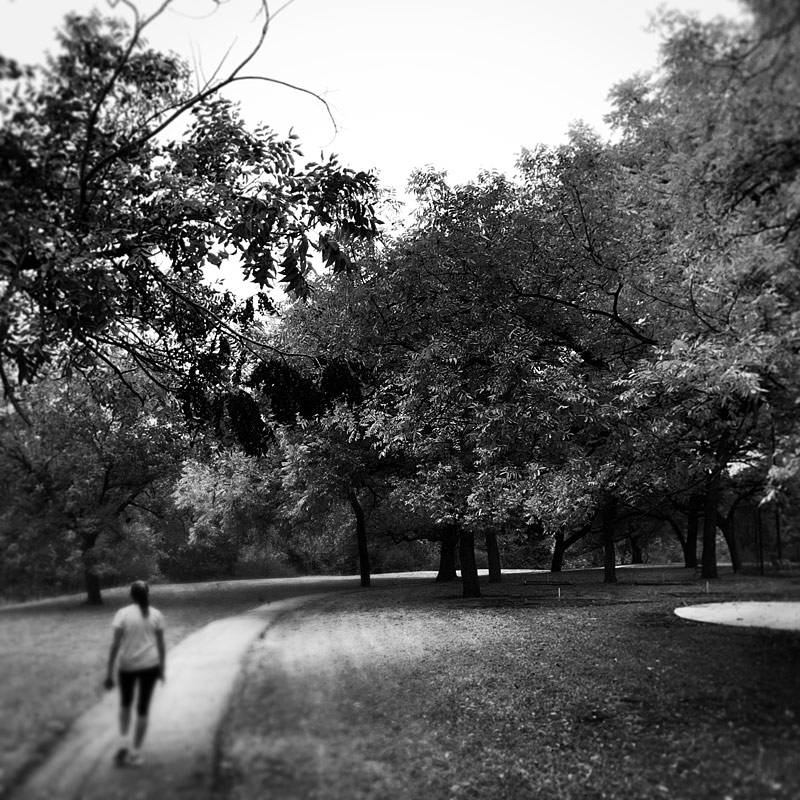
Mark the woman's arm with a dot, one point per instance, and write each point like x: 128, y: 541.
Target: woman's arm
x: 162, y: 655
x: 112, y: 656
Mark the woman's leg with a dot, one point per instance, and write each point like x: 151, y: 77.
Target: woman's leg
x: 127, y: 682
x: 146, y: 679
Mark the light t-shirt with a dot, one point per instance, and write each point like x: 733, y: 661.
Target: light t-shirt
x: 138, y: 649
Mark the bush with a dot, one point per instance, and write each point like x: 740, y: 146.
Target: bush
x: 199, y: 561
x: 404, y: 556
x: 261, y: 561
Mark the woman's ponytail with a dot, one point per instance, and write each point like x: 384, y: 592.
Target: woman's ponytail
x: 140, y: 594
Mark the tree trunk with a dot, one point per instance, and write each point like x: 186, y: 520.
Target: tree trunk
x: 709, y: 557
x: 493, y: 551
x: 609, y: 514
x: 725, y: 524
x: 637, y: 555
x: 759, y: 540
x: 447, y: 555
x: 679, y: 534
x: 561, y: 544
x: 558, y: 553
x: 91, y: 579
x: 361, y: 537
x: 692, y: 526
x: 94, y: 596
x: 469, y: 567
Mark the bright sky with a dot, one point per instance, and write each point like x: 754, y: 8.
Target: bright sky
x: 459, y: 84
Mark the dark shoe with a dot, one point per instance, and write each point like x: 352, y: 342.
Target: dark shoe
x: 120, y: 756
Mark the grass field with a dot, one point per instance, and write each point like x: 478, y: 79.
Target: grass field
x: 411, y: 691
x: 417, y: 694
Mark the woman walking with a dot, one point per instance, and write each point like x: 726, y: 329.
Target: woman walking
x: 139, y: 643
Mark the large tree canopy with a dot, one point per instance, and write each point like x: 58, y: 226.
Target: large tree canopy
x: 610, y: 336
x: 120, y: 184
x: 618, y: 327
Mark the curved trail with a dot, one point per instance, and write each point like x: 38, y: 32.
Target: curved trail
x: 184, y: 720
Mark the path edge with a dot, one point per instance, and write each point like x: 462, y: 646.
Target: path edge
x: 30, y: 783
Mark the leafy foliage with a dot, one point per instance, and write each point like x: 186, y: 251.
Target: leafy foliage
x: 614, y: 332
x: 110, y: 225
x: 618, y: 326
x: 86, y: 480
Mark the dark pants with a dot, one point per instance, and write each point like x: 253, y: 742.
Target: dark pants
x: 146, y: 678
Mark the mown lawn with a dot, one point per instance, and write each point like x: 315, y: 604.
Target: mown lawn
x: 411, y: 691
x: 414, y: 692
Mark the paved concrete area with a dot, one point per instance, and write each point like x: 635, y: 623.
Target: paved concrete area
x: 783, y: 616
x: 185, y: 716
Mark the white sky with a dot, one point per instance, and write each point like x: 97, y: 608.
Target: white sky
x: 459, y: 84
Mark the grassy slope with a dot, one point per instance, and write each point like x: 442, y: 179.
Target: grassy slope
x: 53, y: 657
x: 417, y: 693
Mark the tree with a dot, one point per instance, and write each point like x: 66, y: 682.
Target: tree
x: 485, y: 373
x: 708, y: 145
x: 90, y: 462
x: 612, y: 330
x: 232, y: 503
x: 121, y: 186
x: 320, y: 464
x: 109, y: 224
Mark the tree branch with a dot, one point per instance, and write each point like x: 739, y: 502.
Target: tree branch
x: 8, y: 390
x: 198, y: 97
x: 613, y: 316
x: 246, y: 340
